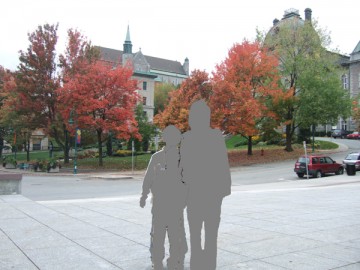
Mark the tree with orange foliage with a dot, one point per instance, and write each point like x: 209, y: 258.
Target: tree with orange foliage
x: 101, y: 99
x: 244, y: 87
x: 176, y: 113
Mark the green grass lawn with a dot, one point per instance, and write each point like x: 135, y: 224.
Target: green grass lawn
x: 141, y: 161
x: 34, y: 156
x: 114, y: 163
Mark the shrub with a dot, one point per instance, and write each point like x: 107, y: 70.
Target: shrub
x: 9, y: 160
x: 40, y: 165
x: 87, y: 154
x: 123, y: 153
x: 52, y: 164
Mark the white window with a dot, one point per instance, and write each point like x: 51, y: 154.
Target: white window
x: 344, y: 80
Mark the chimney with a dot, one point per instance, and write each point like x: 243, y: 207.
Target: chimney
x: 186, y: 66
x: 308, y: 12
x: 275, y: 21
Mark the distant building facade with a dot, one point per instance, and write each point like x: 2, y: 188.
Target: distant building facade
x: 351, y: 81
x: 148, y: 70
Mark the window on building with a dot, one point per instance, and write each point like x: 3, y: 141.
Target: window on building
x: 144, y: 101
x: 344, y: 80
x: 145, y: 113
x: 144, y: 85
x: 344, y: 125
x: 359, y: 81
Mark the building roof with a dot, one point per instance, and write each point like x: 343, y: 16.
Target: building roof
x: 357, y: 48
x: 160, y: 64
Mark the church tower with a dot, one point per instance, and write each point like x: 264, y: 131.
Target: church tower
x: 127, y: 54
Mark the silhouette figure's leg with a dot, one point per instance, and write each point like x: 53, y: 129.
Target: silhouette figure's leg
x: 183, y: 242
x: 158, y: 241
x: 195, y: 224
x: 178, y: 245
x: 174, y: 242
x: 211, y: 226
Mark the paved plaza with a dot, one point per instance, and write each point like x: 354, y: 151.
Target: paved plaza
x: 303, y: 224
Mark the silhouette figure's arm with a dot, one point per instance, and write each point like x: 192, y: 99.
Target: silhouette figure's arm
x: 183, y: 156
x: 223, y: 163
x: 148, y: 180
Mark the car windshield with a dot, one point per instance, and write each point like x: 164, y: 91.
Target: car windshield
x: 303, y: 160
x: 352, y: 157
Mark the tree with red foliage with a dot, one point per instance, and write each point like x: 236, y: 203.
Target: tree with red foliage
x: 31, y: 99
x: 176, y: 113
x: 36, y: 77
x: 244, y: 86
x: 78, y: 54
x: 102, y: 99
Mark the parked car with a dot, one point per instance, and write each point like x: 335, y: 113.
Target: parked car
x: 318, y: 166
x: 353, y: 159
x: 354, y: 135
x: 339, y: 133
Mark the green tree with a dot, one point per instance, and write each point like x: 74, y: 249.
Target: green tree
x: 309, y: 76
x: 322, y: 99
x: 146, y: 129
x: 161, y: 96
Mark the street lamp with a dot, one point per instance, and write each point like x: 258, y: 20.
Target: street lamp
x: 71, y: 122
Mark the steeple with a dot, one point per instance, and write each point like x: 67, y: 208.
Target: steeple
x: 127, y: 43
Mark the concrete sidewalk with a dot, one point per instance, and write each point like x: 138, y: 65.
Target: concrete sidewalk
x: 304, y: 224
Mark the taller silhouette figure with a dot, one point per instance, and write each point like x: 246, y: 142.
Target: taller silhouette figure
x: 206, y: 172
x: 163, y: 179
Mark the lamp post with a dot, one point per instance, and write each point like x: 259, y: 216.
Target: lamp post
x: 71, y: 122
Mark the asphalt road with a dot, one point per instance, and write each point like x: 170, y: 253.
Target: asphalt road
x: 43, y: 188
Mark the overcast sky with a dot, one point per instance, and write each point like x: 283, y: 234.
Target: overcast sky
x: 202, y: 30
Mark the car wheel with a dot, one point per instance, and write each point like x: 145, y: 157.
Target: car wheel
x: 340, y: 171
x: 318, y: 174
x: 300, y: 175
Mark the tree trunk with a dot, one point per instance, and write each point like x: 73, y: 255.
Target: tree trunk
x: 66, y: 147
x: 109, y: 150
x: 65, y: 144
x: 249, y: 152
x: 27, y: 148
x: 288, y: 146
x: 1, y: 146
x: 99, y: 132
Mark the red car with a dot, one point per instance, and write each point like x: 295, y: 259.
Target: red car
x: 354, y: 135
x: 318, y: 166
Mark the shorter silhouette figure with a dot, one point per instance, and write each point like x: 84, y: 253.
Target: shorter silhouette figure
x: 163, y: 179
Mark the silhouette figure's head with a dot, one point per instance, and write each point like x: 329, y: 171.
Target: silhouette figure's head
x: 199, y: 116
x: 171, y: 135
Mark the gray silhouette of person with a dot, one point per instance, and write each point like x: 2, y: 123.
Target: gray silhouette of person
x: 206, y: 172
x: 163, y: 179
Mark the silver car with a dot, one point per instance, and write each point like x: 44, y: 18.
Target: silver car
x: 353, y: 159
